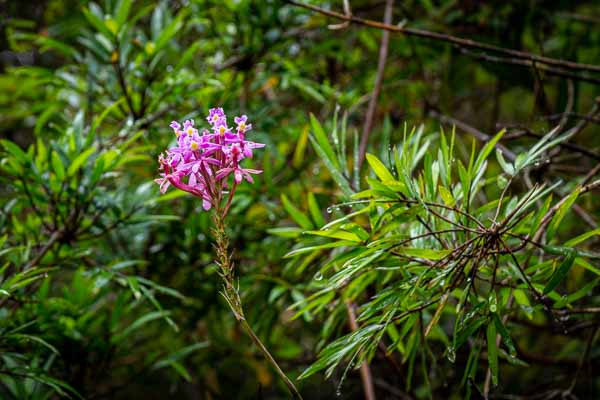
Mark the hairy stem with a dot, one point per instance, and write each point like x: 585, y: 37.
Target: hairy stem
x: 231, y: 294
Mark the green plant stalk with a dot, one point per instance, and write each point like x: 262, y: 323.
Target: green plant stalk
x: 232, y: 296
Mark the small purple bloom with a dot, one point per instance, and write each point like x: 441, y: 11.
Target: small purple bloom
x: 214, y: 114
x: 202, y: 162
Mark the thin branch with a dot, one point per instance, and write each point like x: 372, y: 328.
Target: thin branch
x: 524, y: 63
x: 383, y: 51
x: 462, y: 42
x: 476, y: 133
x: 123, y: 84
x: 365, y: 370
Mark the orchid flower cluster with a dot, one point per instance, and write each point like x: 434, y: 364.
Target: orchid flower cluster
x: 202, y: 162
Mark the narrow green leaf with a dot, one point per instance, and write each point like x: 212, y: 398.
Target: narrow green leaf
x: 506, y: 339
x: 297, y: 215
x: 560, y: 273
x: 561, y: 212
x: 315, y: 211
x: 57, y: 165
x: 15, y: 150
x: 300, y: 150
x: 143, y: 320
x: 582, y: 238
x: 337, y: 176
x: 319, y: 247
x: 380, y: 170
x: 122, y: 11
x: 509, y: 169
x: 487, y: 149
x: 446, y: 196
x: 337, y: 234
x: 80, y: 160
x: 492, y: 351
x: 321, y: 138
x: 291, y: 232
x: 429, y: 254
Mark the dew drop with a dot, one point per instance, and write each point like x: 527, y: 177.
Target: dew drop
x: 318, y: 276
x: 329, y: 210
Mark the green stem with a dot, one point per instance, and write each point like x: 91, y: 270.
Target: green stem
x: 231, y: 294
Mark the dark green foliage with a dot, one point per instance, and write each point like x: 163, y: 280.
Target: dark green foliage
x: 472, y: 266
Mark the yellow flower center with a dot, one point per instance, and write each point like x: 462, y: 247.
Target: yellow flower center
x: 190, y: 131
x: 221, y: 130
x: 194, y: 145
x: 177, y: 133
x: 215, y: 117
x: 242, y: 126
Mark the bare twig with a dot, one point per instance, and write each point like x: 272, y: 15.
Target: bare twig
x: 476, y: 133
x: 365, y: 370
x: 462, y: 42
x: 383, y: 51
x: 525, y: 63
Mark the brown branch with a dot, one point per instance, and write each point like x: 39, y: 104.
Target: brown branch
x: 567, y: 145
x: 383, y: 51
x: 572, y: 115
x: 462, y: 42
x: 123, y: 84
x: 524, y: 63
x: 476, y: 133
x: 365, y: 370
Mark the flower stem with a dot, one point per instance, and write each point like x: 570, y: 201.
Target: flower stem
x: 232, y: 296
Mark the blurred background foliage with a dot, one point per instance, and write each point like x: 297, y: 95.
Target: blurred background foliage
x: 109, y: 291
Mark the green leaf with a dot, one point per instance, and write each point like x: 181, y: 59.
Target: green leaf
x: 322, y: 140
x: 582, y: 238
x: 300, y: 149
x: 97, y: 22
x: 169, y: 31
x: 297, y: 215
x: 492, y: 351
x: 57, y: 165
x: 122, y: 11
x: 306, y: 86
x: 337, y: 234
x: 319, y: 247
x: 315, y: 210
x: 582, y: 262
x: 291, y: 232
x: 31, y: 338
x: 509, y: 169
x: 584, y: 291
x: 429, y: 254
x: 139, y: 323
x: 380, y: 170
x: 447, y: 196
x: 561, y: 212
x: 560, y: 273
x: 80, y: 160
x: 180, y: 369
x: 506, y: 339
x: 336, y: 174
x: 15, y: 150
